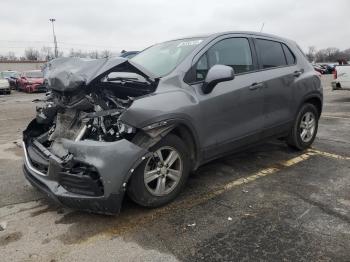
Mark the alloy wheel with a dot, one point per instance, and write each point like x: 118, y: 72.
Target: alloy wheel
x: 307, y: 127
x: 163, y: 171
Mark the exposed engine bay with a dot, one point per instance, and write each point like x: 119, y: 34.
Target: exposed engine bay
x: 87, y: 116
x: 77, y: 110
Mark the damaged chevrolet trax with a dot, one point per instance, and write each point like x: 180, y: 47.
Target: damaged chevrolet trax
x: 110, y: 127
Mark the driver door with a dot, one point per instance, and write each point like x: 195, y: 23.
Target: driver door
x: 232, y: 114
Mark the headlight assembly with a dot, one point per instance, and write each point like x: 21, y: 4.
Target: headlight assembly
x: 125, y: 128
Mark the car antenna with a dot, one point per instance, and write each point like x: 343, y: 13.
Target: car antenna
x: 262, y: 27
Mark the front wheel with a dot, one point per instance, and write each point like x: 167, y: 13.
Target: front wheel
x: 304, y: 129
x: 161, y: 177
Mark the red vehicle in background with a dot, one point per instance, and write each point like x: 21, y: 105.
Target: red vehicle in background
x: 32, y: 81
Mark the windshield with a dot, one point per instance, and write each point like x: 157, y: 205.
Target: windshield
x: 34, y: 74
x: 161, y: 59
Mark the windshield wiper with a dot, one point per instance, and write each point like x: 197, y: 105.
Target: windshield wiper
x: 127, y: 79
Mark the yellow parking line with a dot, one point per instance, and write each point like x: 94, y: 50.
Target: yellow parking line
x: 336, y: 117
x: 127, y: 222
x: 297, y: 159
x: 330, y: 155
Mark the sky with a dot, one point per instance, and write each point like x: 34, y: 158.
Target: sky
x: 133, y: 25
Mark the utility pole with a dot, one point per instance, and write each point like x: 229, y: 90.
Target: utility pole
x: 54, y: 36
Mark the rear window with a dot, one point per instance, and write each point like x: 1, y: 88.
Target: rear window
x: 289, y: 55
x: 271, y: 53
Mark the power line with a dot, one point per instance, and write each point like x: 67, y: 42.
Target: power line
x: 58, y: 42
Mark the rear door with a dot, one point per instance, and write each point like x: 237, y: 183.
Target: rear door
x: 278, y: 71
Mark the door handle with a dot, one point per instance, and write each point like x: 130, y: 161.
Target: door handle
x: 298, y: 73
x: 255, y: 86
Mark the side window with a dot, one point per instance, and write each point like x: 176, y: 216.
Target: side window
x: 289, y: 55
x: 271, y: 53
x: 234, y: 52
x: 202, y: 68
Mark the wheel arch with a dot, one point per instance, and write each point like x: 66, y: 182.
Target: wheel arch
x: 315, y: 100
x: 185, y: 133
x: 180, y: 127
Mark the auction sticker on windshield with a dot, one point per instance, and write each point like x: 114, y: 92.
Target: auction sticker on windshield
x: 187, y: 43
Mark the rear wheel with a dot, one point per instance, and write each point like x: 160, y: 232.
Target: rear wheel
x: 304, y: 129
x: 160, y: 178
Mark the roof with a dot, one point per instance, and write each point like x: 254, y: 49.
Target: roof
x: 214, y: 35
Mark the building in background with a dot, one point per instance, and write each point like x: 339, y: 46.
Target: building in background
x: 21, y: 65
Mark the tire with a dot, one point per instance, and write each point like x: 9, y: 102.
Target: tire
x: 146, y: 194
x: 295, y: 138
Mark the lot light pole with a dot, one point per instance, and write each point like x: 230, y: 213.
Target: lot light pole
x: 54, y: 36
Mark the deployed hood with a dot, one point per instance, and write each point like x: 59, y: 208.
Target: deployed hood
x: 68, y: 74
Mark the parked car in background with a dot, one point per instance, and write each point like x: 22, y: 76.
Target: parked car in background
x: 328, y: 68
x: 13, y: 77
x: 319, y: 69
x: 341, y: 77
x: 102, y: 134
x: 31, y: 81
x: 4, y: 84
x: 128, y: 54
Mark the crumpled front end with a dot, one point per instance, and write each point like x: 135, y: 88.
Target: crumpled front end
x: 77, y: 150
x: 92, y: 176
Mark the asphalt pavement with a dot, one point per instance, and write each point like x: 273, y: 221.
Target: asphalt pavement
x: 269, y: 203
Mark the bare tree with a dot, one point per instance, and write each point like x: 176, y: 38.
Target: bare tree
x: 46, y: 53
x: 31, y: 54
x: 106, y: 54
x: 311, y: 53
x: 94, y: 54
x: 11, y: 56
x: 77, y: 53
x: 3, y: 58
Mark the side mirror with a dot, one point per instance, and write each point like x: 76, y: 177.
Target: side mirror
x: 215, y: 75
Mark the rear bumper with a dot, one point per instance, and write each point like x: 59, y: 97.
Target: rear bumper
x: 114, y: 162
x: 335, y: 85
x: 344, y: 85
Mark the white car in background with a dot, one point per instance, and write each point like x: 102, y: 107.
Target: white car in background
x: 341, y: 77
x: 4, y: 85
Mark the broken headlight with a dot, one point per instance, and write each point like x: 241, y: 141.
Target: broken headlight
x: 125, y: 128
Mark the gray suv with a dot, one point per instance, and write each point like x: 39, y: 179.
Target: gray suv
x: 113, y: 126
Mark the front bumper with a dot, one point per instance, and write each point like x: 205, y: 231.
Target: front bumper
x: 113, y: 161
x: 5, y: 89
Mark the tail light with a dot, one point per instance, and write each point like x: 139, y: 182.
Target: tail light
x: 335, y: 73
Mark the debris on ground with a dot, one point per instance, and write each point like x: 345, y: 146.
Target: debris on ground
x: 17, y: 143
x: 3, y: 225
x: 191, y: 225
x: 245, y: 191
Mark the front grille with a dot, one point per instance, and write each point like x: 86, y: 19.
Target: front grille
x: 82, y: 179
